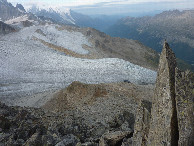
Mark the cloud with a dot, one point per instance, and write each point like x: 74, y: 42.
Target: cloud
x: 74, y: 3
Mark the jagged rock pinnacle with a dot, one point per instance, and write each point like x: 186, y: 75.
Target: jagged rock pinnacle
x: 164, y: 125
x: 172, y: 118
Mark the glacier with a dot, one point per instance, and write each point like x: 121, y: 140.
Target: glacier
x: 28, y: 67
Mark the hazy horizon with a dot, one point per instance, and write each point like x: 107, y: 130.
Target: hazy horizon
x: 111, y: 7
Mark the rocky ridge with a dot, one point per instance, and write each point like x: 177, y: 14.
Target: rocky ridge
x: 8, y: 11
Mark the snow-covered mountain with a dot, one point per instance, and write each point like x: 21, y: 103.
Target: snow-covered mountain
x: 62, y: 15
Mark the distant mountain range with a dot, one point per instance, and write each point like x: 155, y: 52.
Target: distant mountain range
x: 70, y: 17
x: 177, y: 27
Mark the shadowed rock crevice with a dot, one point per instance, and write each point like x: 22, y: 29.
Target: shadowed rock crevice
x: 174, y: 120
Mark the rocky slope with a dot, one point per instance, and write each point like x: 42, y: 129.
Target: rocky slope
x: 39, y: 60
x: 105, y: 46
x: 175, y: 26
x: 103, y: 113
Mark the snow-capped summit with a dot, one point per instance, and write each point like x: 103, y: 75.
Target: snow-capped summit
x: 61, y: 15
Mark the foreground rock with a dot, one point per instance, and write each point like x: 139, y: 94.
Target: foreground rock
x: 142, y: 123
x: 114, y: 138
x: 185, y: 107
x: 82, y: 115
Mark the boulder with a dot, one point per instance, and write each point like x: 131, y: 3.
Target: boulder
x: 69, y: 140
x: 113, y: 138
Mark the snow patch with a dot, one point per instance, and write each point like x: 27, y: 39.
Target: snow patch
x: 69, y: 40
x: 17, y: 19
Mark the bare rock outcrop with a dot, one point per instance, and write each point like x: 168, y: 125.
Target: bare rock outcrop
x: 142, y: 123
x: 164, y: 124
x: 185, y: 107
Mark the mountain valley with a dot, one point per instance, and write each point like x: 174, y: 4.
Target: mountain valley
x: 174, y: 26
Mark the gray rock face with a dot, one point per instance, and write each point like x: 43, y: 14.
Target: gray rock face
x: 172, y: 107
x: 185, y: 107
x: 164, y: 126
x: 172, y: 113
x: 8, y: 11
x: 142, y: 123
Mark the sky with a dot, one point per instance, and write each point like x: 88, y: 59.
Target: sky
x: 110, y: 7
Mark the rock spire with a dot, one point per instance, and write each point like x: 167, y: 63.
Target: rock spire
x: 164, y: 123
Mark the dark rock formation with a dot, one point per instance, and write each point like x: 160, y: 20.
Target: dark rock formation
x: 19, y: 126
x: 4, y: 28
